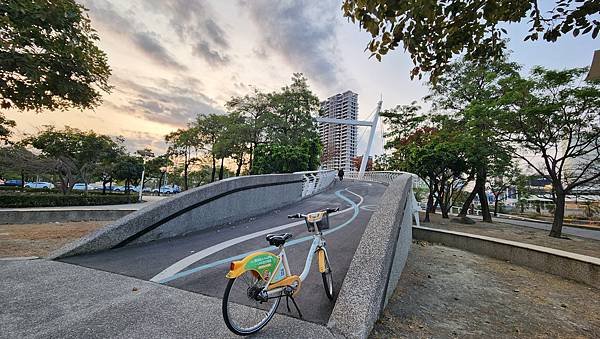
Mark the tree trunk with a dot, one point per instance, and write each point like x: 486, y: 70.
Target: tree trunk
x: 214, y: 169
x: 185, y: 171
x: 559, y: 214
x: 429, y: 206
x: 251, y: 159
x: 160, y: 181
x: 465, y: 207
x: 221, y: 169
x: 496, y: 205
x: 239, y: 166
x: 485, y: 207
x: 103, y: 187
x: 22, y: 180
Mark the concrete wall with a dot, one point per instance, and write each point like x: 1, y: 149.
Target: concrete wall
x: 581, y: 268
x: 194, y: 210
x: 59, y: 215
x: 377, y: 263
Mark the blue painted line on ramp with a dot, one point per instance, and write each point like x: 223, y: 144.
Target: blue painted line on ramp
x: 269, y: 248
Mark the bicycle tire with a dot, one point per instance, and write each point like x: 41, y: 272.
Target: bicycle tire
x: 328, y: 281
x: 231, y: 325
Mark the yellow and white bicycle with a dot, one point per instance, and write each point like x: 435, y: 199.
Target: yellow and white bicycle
x: 261, y: 279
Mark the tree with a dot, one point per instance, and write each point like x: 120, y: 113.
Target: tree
x: 282, y: 158
x: 77, y: 153
x: 556, y: 116
x: 255, y: 108
x: 48, y: 56
x: 433, y: 149
x: 182, y: 143
x: 210, y: 130
x: 129, y: 169
x: 501, y: 181
x: 433, y: 32
x: 156, y: 168
x: 468, y: 96
x: 16, y: 159
x: 290, y: 130
x: 5, y: 128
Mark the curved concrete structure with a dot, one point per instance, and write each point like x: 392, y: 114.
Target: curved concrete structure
x: 197, y: 209
x: 378, y: 261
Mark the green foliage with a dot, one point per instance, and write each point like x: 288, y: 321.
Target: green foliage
x: 433, y: 32
x: 78, y: 154
x: 5, y: 128
x: 129, y: 169
x: 50, y: 200
x: 48, y: 56
x: 282, y: 158
x: 555, y: 115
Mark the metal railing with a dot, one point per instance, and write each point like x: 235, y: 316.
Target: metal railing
x: 316, y: 181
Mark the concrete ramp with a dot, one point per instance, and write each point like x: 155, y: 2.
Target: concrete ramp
x: 201, y: 208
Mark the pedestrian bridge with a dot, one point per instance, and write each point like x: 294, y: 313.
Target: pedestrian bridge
x: 187, y: 241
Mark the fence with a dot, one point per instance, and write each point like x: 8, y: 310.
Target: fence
x: 316, y: 181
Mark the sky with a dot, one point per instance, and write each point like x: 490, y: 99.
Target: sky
x: 174, y: 59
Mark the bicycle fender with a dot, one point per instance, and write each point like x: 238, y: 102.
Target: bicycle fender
x: 263, y: 263
x: 321, y: 260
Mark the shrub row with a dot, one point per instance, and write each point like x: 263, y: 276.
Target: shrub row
x: 51, y: 200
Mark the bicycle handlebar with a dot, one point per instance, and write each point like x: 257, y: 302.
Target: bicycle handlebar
x: 298, y: 215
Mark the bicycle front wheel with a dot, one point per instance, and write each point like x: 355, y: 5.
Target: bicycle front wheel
x: 242, y: 312
x: 328, y: 280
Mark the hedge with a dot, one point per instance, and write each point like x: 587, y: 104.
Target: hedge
x: 51, y: 200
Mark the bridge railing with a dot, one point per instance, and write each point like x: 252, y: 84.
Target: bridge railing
x: 316, y: 181
x: 384, y: 177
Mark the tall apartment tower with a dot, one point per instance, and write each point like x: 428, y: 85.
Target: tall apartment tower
x: 339, y: 141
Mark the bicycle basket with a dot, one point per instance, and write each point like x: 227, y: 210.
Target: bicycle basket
x: 324, y: 223
x: 320, y: 218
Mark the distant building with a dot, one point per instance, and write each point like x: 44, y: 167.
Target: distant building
x: 339, y: 141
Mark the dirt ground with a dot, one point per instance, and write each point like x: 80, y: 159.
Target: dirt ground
x: 519, y: 233
x: 39, y: 240
x: 447, y: 293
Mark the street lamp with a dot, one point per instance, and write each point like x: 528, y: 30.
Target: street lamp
x: 163, y: 171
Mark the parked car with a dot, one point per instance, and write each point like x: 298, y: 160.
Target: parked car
x: 167, y: 189
x: 123, y: 188
x: 40, y: 184
x: 13, y: 182
x: 79, y: 186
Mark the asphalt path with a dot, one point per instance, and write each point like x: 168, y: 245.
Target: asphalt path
x: 198, y: 262
x: 566, y: 230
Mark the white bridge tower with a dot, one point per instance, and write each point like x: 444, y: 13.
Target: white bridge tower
x: 371, y: 124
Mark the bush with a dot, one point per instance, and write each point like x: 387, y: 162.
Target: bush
x: 51, y: 200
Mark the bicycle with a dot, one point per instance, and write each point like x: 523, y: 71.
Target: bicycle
x: 263, y: 278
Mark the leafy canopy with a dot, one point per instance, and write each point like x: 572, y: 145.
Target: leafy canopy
x: 48, y: 56
x: 435, y: 31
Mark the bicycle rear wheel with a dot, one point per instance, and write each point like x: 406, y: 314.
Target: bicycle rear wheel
x: 242, y: 312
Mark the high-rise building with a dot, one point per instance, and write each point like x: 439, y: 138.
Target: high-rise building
x: 339, y: 141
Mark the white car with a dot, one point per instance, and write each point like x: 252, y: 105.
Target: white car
x: 79, y: 187
x: 40, y: 184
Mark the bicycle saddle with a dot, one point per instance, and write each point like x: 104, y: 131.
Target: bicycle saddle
x: 278, y: 239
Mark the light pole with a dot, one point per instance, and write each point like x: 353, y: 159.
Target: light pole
x: 142, y: 182
x: 163, y: 173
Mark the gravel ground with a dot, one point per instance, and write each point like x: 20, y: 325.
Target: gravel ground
x: 445, y: 292
x: 519, y: 233
x: 39, y: 240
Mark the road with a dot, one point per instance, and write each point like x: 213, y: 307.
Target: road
x: 580, y: 232
x: 198, y: 262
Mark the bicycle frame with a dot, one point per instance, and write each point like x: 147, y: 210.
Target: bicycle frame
x: 318, y: 244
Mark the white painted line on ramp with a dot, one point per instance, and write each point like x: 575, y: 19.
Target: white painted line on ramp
x: 191, y: 259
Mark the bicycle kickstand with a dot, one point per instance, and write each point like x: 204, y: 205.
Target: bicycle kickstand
x: 287, y: 303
